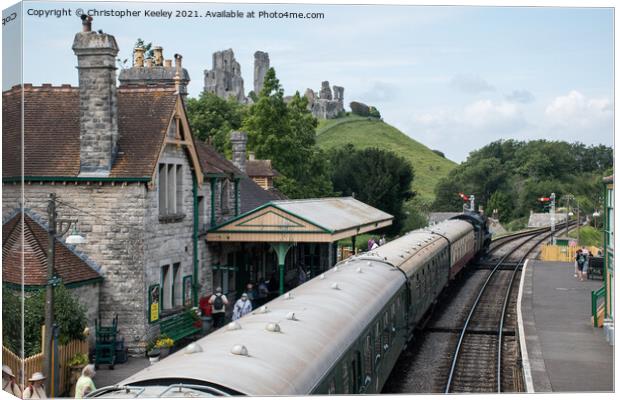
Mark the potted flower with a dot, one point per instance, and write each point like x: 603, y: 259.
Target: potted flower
x: 153, y: 355
x: 194, y: 312
x: 163, y: 344
x: 75, y: 365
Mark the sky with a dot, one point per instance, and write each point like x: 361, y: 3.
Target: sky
x: 454, y: 78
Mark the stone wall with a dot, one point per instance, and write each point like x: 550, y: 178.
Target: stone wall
x: 112, y: 218
x: 88, y: 296
x: 167, y: 243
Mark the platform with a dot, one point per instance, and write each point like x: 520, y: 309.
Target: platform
x: 565, y: 352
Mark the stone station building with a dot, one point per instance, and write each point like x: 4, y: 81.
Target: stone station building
x: 147, y: 195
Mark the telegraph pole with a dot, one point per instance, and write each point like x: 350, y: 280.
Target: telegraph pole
x: 49, y: 294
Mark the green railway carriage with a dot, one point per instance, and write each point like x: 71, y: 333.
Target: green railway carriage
x: 339, y: 333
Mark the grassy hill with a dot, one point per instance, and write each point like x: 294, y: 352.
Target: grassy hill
x: 428, y: 166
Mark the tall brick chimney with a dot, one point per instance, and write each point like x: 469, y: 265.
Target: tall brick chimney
x: 96, y: 54
x: 239, y: 142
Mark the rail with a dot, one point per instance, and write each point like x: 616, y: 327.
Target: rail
x: 477, y: 301
x: 500, y: 330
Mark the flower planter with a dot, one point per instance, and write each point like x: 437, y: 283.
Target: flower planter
x: 164, y: 351
x: 153, y: 356
x: 75, y: 372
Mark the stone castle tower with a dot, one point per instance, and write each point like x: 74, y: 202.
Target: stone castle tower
x: 224, y: 79
x: 261, y: 65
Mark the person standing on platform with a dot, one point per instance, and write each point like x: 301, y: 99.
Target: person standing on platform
x: 586, y: 253
x: 85, y: 383
x: 219, y: 302
x: 243, y: 306
x: 580, y: 258
x: 35, y: 389
x: 382, y: 241
x: 8, y: 382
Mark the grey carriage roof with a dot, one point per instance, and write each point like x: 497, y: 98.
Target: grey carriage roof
x: 328, y: 319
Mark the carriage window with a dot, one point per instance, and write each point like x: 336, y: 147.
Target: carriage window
x: 367, y: 357
x: 377, y: 339
x: 345, y: 379
x: 355, y: 370
x: 332, y: 387
x: 386, y: 330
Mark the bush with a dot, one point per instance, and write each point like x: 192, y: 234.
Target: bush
x: 588, y: 236
x: 439, y: 153
x: 360, y: 109
x: 69, y: 315
x: 373, y: 112
x: 517, y: 224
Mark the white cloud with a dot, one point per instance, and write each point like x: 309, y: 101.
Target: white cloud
x: 471, y: 84
x: 456, y: 132
x: 520, y: 96
x: 576, y: 111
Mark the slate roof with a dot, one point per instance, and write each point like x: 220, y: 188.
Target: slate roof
x: 213, y: 162
x: 260, y: 168
x: 70, y: 265
x: 253, y: 196
x: 52, y: 130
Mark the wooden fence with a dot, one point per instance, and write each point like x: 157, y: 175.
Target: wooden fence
x: 550, y: 252
x: 34, y: 364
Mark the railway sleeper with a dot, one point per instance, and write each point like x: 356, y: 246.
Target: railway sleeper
x: 442, y: 329
x: 506, y: 266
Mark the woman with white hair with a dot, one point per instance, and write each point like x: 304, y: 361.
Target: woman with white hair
x: 8, y: 382
x: 85, y: 384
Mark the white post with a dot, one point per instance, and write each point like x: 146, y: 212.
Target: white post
x: 552, y: 211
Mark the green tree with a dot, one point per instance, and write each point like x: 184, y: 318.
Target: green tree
x: 285, y: 134
x: 377, y: 177
x: 213, y: 118
x: 68, y: 314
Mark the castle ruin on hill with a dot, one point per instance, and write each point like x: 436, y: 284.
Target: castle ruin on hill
x: 224, y: 80
x: 326, y: 105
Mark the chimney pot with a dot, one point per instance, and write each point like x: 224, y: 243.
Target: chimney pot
x: 138, y: 57
x: 86, y: 22
x: 149, y: 62
x: 158, y: 55
x: 167, y: 64
x: 251, y: 155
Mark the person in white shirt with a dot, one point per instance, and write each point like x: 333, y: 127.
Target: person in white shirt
x: 219, y: 302
x: 242, y: 307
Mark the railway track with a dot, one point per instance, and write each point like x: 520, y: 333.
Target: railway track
x: 426, y: 366
x: 486, y: 351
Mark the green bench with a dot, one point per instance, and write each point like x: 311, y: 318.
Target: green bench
x: 178, y: 326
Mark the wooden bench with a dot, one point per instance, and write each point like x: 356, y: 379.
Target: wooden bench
x: 178, y: 326
x: 595, y: 268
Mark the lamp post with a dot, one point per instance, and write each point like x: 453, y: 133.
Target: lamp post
x: 55, y: 226
x: 595, y: 215
x: 569, y: 213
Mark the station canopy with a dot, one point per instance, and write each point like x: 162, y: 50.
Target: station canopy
x: 308, y: 220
